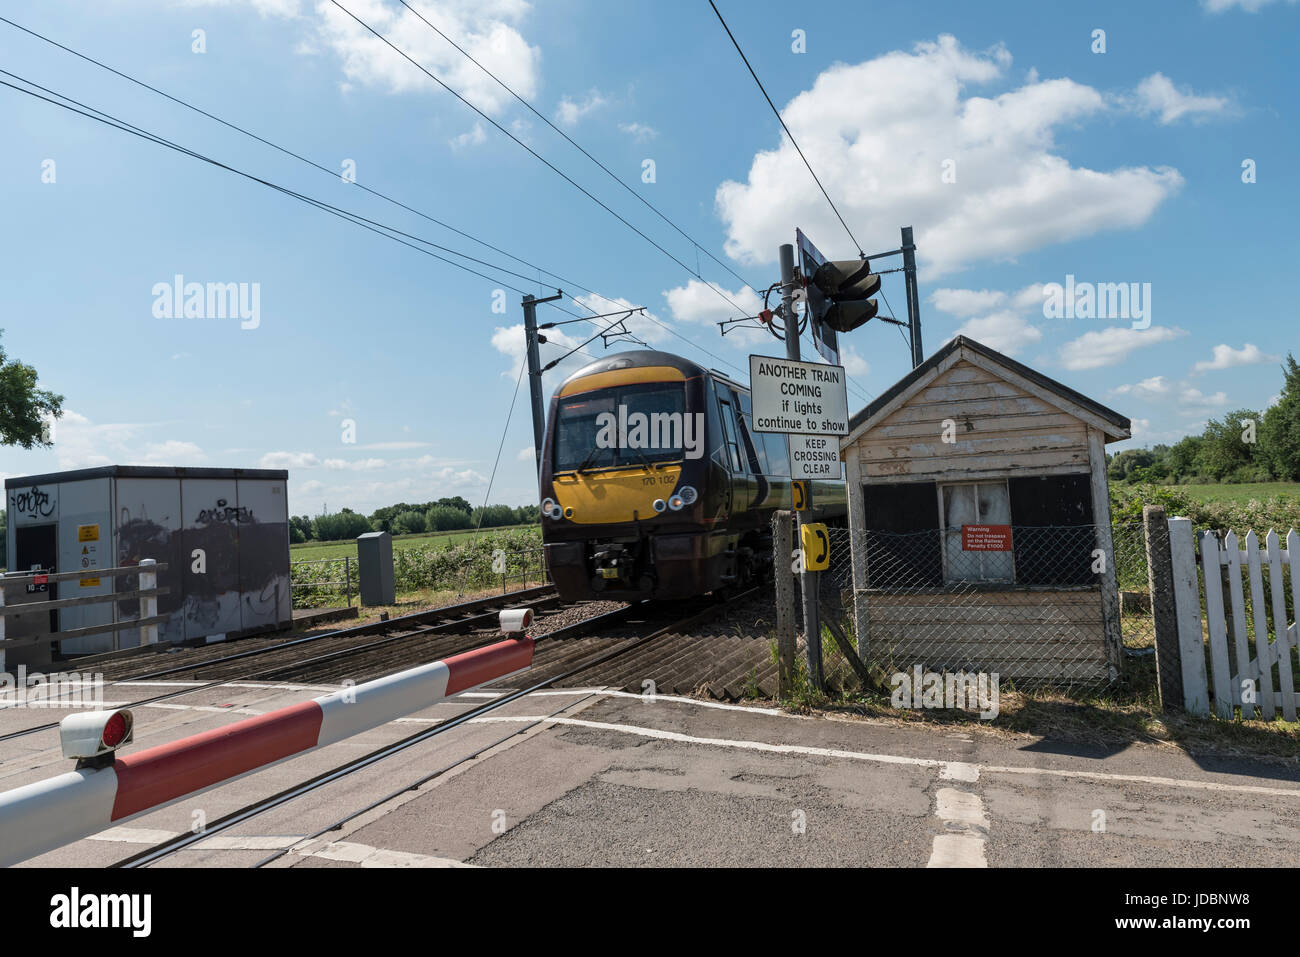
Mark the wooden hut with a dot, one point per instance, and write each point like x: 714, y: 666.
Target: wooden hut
x: 980, y: 521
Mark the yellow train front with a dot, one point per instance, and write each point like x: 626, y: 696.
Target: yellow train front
x: 655, y: 485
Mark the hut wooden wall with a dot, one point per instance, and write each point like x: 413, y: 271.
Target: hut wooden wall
x: 1000, y: 427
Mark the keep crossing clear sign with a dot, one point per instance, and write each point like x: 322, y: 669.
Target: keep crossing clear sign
x: 803, y: 398
x: 814, y: 457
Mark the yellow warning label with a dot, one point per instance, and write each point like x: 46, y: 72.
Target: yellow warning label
x: 88, y: 533
x: 89, y: 582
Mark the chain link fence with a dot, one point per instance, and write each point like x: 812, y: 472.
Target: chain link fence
x: 1028, y: 608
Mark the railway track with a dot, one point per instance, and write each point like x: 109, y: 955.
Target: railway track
x: 379, y: 645
x: 570, y: 663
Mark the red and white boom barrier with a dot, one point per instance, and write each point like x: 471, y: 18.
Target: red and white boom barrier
x: 47, y: 814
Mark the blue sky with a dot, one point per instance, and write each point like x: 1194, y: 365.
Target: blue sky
x: 1019, y: 155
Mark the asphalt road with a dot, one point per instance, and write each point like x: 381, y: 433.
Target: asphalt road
x: 626, y: 781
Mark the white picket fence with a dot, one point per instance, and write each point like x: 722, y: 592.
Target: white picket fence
x: 1238, y: 678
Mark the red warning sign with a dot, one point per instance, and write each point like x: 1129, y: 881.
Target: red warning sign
x: 986, y: 538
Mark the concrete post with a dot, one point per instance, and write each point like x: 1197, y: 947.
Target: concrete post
x: 1160, y: 579
x: 148, y: 605
x: 782, y: 545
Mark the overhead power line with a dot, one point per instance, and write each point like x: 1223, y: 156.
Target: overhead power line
x: 559, y: 172
x: 381, y: 229
x: 545, y: 119
x: 781, y: 119
x: 333, y: 174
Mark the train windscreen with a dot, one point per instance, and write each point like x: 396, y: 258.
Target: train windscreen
x: 628, y: 425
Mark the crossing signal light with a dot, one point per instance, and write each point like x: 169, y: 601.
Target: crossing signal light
x: 848, y: 285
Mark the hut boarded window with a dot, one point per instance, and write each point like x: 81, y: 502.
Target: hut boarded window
x: 1054, y: 535
x: 983, y: 503
x: 902, y: 523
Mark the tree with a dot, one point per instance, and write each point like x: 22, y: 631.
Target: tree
x: 339, y: 526
x: 303, y: 524
x: 1279, y: 432
x: 409, y: 522
x: 456, y: 502
x: 1182, y: 457
x: 442, y: 518
x: 1224, y: 451
x: 25, y: 411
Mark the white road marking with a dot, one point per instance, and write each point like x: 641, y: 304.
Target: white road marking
x: 959, y: 767
x: 368, y: 856
x: 960, y: 771
x: 961, y: 812
x: 957, y: 850
x: 961, y: 807
x: 347, y: 851
x: 1147, y: 779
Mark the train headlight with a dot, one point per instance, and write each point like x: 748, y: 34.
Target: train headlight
x: 660, y: 505
x: 676, y: 503
x: 548, y: 506
x: 687, y: 494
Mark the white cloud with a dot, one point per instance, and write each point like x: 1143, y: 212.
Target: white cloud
x: 1157, y: 95
x: 172, y: 452
x: 966, y: 302
x: 1157, y: 385
x: 571, y: 111
x: 392, y: 446
x: 289, y: 460
x: 356, y: 465
x: 1226, y: 357
x: 1250, y: 6
x: 855, y: 367
x: 487, y: 31
x: 509, y: 340
x: 706, y: 304
x: 526, y: 454
x: 476, y: 135
x: 81, y: 443
x: 639, y: 131
x: 1112, y: 345
x: 1013, y: 192
x: 1196, y: 402
x: 287, y: 9
x: 1005, y: 331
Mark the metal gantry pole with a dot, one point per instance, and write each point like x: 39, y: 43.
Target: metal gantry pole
x: 808, y: 579
x: 535, y: 371
x: 913, y: 301
x: 534, y: 375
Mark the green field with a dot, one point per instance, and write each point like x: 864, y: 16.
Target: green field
x: 313, y: 551
x: 1240, y: 493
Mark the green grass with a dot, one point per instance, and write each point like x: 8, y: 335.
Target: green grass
x: 313, y: 551
x: 1240, y: 493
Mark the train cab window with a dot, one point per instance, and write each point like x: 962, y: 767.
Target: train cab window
x: 589, y: 426
x: 729, y: 432
x: 754, y: 445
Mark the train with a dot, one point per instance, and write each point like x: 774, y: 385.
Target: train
x: 654, y: 484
